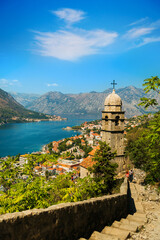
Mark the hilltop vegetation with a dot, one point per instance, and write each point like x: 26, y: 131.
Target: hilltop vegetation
x: 143, y: 145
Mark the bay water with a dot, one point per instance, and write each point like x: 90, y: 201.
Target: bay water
x: 24, y: 138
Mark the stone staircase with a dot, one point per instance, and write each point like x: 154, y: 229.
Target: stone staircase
x: 123, y: 229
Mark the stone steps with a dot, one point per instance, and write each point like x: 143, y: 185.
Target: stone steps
x: 137, y: 218
x: 132, y: 222
x: 125, y: 226
x: 100, y: 236
x: 123, y: 229
x: 139, y: 207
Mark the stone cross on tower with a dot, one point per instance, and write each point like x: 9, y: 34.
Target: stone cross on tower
x: 114, y: 83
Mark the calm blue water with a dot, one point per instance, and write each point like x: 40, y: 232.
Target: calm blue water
x: 23, y: 138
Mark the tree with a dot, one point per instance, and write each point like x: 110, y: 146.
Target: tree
x: 83, y: 189
x: 136, y: 146
x: 29, y: 166
x: 9, y: 173
x: 151, y: 84
x: 143, y: 147
x: 50, y: 146
x: 104, y: 169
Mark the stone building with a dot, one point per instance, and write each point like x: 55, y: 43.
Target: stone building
x: 88, y: 162
x: 113, y: 126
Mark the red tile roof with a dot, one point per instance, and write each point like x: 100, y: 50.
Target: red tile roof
x: 93, y: 151
x: 75, y: 168
x: 51, y: 169
x: 87, y: 162
x: 38, y: 167
x: 96, y: 134
x: 59, y: 169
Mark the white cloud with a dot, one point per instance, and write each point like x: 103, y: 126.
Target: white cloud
x: 5, y: 82
x: 149, y: 40
x: 71, y: 45
x: 155, y: 24
x: 69, y: 15
x: 138, y: 32
x: 140, y: 21
x: 52, y: 85
x: 142, y: 35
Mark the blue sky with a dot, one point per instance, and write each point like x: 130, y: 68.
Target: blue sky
x: 76, y: 46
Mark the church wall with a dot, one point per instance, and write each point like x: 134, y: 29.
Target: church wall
x: 109, y: 122
x: 115, y: 141
x: 112, y: 108
x: 120, y: 160
x: 66, y: 221
x: 118, y: 143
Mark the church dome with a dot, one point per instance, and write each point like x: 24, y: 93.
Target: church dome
x: 113, y: 100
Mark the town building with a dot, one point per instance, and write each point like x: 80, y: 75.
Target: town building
x: 88, y: 162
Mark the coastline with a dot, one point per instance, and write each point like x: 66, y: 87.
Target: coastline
x: 33, y: 120
x: 22, y: 138
x: 68, y: 129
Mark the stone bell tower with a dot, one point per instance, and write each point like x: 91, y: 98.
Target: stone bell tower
x: 113, y: 126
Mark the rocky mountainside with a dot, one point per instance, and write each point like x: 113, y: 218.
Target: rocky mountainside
x: 10, y: 108
x: 88, y: 103
x: 24, y: 98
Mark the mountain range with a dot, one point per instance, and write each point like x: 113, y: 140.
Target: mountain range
x: 24, y: 98
x: 85, y: 103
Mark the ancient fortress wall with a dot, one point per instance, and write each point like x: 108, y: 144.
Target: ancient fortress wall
x: 67, y: 221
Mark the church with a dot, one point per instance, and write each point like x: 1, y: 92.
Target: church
x: 113, y: 127
x: 112, y: 131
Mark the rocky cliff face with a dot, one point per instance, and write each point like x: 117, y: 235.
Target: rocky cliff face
x: 88, y: 103
x: 24, y: 98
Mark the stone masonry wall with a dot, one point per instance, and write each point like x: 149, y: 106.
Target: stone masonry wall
x: 67, y: 221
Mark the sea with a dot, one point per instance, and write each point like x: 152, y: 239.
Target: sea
x: 21, y: 138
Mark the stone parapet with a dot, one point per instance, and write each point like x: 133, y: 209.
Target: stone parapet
x: 66, y: 221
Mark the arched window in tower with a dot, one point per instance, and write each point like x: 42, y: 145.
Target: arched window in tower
x: 117, y: 121
x: 106, y: 120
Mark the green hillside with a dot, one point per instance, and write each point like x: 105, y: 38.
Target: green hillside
x: 11, y: 110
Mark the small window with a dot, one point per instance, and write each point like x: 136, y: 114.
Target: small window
x: 106, y: 118
x: 117, y: 121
